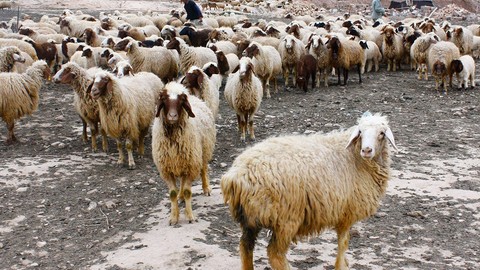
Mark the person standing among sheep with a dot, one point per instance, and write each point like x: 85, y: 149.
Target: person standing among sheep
x: 194, y: 14
x: 377, y: 10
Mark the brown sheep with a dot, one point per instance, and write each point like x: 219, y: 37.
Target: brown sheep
x: 306, y: 68
x: 344, y: 55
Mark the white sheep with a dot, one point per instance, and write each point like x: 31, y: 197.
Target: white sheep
x: 19, y: 94
x: 373, y: 56
x: 419, y: 52
x: 440, y: 57
x: 267, y: 64
x: 22, y: 45
x: 290, y: 50
x: 183, y: 140
x: 191, y: 56
x: 127, y: 107
x: 464, y: 68
x: 123, y: 68
x: 243, y: 92
x: 392, y: 48
x: 200, y: 85
x: 462, y: 37
x: 157, y: 60
x: 298, y: 186
x: 87, y: 108
x: 316, y: 46
x: 8, y: 57
x: 213, y: 72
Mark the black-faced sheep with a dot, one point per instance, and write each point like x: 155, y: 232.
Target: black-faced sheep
x: 464, y: 69
x: 183, y: 140
x: 306, y: 68
x: 298, y: 186
x: 198, y: 38
x: 244, y: 92
x: 440, y: 57
x: 345, y: 54
x: 157, y: 60
x: 127, y: 107
x: 19, y: 94
x: 87, y: 108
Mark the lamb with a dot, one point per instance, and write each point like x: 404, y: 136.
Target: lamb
x: 440, y: 58
x: 392, y: 47
x: 243, y: 92
x: 185, y: 129
x: 8, y: 57
x: 464, y: 68
x: 87, y: 108
x: 419, y: 52
x: 298, y: 186
x: 345, y: 54
x: 291, y: 50
x: 45, y: 51
x: 147, y: 59
x: 191, y: 56
x: 85, y: 58
x: 126, y: 110
x: 316, y: 46
x: 306, y: 68
x: 373, y: 56
x: 19, y: 94
x: 267, y: 64
x: 199, y: 85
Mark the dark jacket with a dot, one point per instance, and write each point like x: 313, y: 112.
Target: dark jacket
x: 193, y: 11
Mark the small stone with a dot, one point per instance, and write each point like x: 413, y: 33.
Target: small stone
x: 91, y: 206
x: 62, y: 145
x: 223, y: 165
x: 1, y: 245
x: 151, y: 181
x: 41, y: 244
x: 22, y: 189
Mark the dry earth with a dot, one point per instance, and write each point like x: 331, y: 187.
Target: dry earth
x: 64, y: 207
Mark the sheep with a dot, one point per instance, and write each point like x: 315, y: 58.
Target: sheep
x: 92, y: 38
x: 22, y: 66
x: 21, y: 44
x: 373, y: 56
x: 123, y: 68
x: 392, y: 47
x: 138, y: 33
x: 191, y: 56
x: 244, y: 93
x: 290, y: 50
x: 213, y: 72
x: 226, y: 63
x: 440, y: 57
x: 306, y: 68
x: 45, y: 51
x: 85, y: 58
x: 199, y: 85
x: 19, y: 94
x: 183, y: 140
x: 87, y: 108
x: 127, y: 107
x: 222, y: 45
x: 147, y: 59
x: 345, y: 54
x: 419, y: 52
x: 370, y: 34
x: 267, y: 64
x: 464, y: 68
x: 298, y: 186
x: 463, y: 38
x: 476, y: 47
x: 198, y: 38
x: 73, y: 27
x: 41, y: 38
x: 316, y: 46
x: 8, y: 57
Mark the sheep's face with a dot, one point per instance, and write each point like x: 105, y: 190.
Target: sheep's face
x: 245, y: 68
x: 439, y: 68
x: 389, y: 34
x: 353, y: 31
x: 88, y: 34
x: 173, y: 106
x: 272, y: 31
x: 211, y: 69
x: 223, y: 65
x: 106, y: 24
x: 259, y: 33
x: 105, y: 54
x: 87, y: 52
x: 123, y: 69
x: 122, y: 33
x: 174, y: 44
x: 122, y: 45
x: 242, y: 45
x: 428, y: 27
x: 456, y: 66
x: 334, y: 45
x: 458, y: 31
x: 251, y: 51
x: 64, y: 75
x: 101, y: 85
x: 294, y: 30
x: 25, y: 31
x: 213, y: 47
x: 65, y: 24
x: 371, y: 136
x: 289, y: 42
x: 363, y: 44
x: 193, y: 81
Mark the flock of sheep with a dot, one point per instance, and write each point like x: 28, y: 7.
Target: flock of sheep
x: 131, y: 70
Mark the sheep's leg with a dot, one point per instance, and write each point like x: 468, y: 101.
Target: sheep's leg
x: 172, y: 188
x: 426, y: 71
x: 275, y: 84
x: 267, y: 86
x: 338, y: 76
x: 285, y: 76
x: 249, y: 120
x: 294, y: 71
x: 141, y: 142
x: 11, y: 136
x: 84, y: 131
x: 389, y: 64
x: 187, y: 194
x: 247, y: 244
x: 343, y: 236
x: 420, y: 72
x: 359, y: 75
x: 444, y: 83
x: 205, y: 181
x: 277, y: 251
x: 243, y: 127
x: 345, y: 76
x: 121, y: 157
x: 394, y: 64
x: 313, y: 79
x: 104, y: 140
x: 94, y: 131
x: 318, y: 75
x: 325, y: 78
x: 369, y: 65
x: 472, y: 81
x: 266, y: 91
x: 129, y: 146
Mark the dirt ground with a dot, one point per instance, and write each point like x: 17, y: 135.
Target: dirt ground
x: 64, y: 207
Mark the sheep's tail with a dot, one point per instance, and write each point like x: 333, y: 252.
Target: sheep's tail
x: 234, y: 188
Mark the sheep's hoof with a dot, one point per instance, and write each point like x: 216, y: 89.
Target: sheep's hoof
x: 173, y: 221
x: 191, y: 219
x: 207, y: 191
x: 131, y: 166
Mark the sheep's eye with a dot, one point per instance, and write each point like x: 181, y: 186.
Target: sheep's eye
x: 382, y: 134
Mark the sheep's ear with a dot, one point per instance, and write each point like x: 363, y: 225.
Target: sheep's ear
x: 159, y: 108
x: 89, y: 88
x: 236, y: 69
x: 187, y: 107
x: 389, y: 135
x: 200, y: 79
x: 183, y: 80
x: 250, y: 65
x: 355, y: 135
x: 115, y: 70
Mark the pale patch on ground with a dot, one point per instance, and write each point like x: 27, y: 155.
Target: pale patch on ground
x: 8, y: 225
